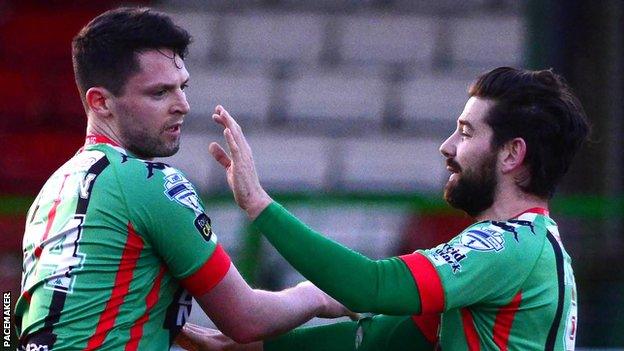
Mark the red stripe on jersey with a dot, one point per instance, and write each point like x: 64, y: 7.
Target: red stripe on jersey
x: 123, y: 278
x: 99, y: 139
x: 504, y: 320
x: 51, y: 216
x: 428, y: 282
x: 209, y: 275
x: 26, y: 295
x: 537, y: 210
x: 136, y: 332
x: 472, y: 338
x: 429, y: 325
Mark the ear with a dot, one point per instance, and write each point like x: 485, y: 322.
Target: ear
x: 97, y: 101
x: 512, y: 155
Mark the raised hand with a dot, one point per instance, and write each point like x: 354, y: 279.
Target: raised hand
x: 239, y: 165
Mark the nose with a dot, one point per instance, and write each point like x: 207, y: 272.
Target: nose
x: 448, y: 147
x: 181, y: 105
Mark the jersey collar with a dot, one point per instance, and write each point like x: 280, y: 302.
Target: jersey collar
x: 100, y: 139
x: 536, y: 210
x: 93, y: 139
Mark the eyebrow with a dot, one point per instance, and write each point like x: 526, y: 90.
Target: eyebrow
x: 463, y: 122
x: 166, y: 85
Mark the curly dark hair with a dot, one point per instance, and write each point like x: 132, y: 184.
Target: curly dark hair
x: 539, y: 107
x: 104, y: 51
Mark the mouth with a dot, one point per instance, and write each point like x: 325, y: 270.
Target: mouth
x: 452, y: 167
x: 174, y: 128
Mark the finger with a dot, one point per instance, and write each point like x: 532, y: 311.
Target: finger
x: 225, y: 118
x: 194, y: 328
x: 219, y: 154
x: 219, y: 119
x: 231, y: 123
x: 232, y: 145
x: 183, y: 340
x: 354, y: 316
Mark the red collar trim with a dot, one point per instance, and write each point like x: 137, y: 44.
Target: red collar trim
x: 537, y: 210
x: 99, y: 139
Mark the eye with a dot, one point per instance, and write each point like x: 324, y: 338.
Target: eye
x: 160, y: 93
x: 464, y: 133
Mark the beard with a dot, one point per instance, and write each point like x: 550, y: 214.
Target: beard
x: 147, y: 146
x: 473, y: 189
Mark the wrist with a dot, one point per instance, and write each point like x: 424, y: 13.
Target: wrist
x: 313, y: 293
x: 258, y: 205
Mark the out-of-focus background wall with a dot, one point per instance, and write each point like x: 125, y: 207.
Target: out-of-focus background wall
x: 345, y: 104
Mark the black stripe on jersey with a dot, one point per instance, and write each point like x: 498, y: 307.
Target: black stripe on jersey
x: 46, y: 335
x: 554, y: 328
x: 93, y: 172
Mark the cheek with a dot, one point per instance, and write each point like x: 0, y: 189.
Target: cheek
x: 144, y: 113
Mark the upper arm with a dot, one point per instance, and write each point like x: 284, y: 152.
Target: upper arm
x: 230, y: 305
x: 167, y: 212
x: 483, y: 264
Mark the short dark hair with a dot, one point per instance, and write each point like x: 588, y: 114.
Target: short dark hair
x: 104, y: 51
x: 539, y: 107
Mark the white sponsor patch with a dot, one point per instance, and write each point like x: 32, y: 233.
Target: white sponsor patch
x: 449, y: 254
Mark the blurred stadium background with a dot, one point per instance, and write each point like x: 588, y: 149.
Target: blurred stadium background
x: 345, y: 104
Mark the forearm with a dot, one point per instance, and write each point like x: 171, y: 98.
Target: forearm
x: 384, y: 286
x: 378, y: 333
x: 246, y: 315
x: 274, y: 313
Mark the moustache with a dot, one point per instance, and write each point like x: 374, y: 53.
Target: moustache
x: 453, y: 165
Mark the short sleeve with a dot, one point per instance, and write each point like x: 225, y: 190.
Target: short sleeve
x: 487, y: 263
x: 170, y: 216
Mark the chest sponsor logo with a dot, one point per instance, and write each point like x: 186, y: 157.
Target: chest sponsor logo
x: 180, y: 190
x: 483, y: 240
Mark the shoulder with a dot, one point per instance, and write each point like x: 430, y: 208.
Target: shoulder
x: 157, y: 182
x: 501, y: 235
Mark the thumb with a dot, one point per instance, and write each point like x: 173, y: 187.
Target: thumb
x: 188, y: 339
x: 354, y: 316
x: 220, y: 155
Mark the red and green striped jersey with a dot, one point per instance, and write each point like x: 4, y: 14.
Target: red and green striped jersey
x: 500, y: 286
x: 114, y: 248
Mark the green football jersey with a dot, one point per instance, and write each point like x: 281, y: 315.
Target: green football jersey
x: 114, y: 249
x: 500, y: 286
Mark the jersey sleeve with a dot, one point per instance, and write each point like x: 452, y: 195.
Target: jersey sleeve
x: 487, y: 263
x: 381, y: 332
x: 168, y: 213
x: 360, y: 283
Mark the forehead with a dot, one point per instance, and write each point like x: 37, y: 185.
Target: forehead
x: 159, y: 67
x: 475, y: 112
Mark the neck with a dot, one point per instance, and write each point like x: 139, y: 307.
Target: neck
x: 104, y: 130
x: 511, y: 205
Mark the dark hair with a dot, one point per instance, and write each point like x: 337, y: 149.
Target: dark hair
x: 104, y: 51
x: 539, y: 107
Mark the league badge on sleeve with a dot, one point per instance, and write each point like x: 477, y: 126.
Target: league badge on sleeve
x: 483, y: 239
x: 180, y: 190
x: 202, y: 223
